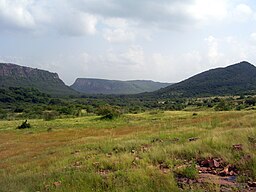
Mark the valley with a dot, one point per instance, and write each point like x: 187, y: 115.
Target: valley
x: 195, y: 135
x: 127, y: 96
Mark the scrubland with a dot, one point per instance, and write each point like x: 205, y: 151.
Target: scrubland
x: 151, y: 151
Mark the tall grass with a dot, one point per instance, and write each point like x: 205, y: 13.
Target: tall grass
x: 139, y: 152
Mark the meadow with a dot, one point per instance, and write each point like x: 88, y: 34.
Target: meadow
x: 151, y: 151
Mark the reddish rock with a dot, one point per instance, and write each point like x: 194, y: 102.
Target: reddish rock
x: 229, y: 170
x: 216, y: 163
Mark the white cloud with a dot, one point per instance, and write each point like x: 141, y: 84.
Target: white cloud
x: 231, y: 49
x: 213, y: 50
x: 16, y: 14
x: 118, y: 30
x: 174, y: 67
x: 132, y: 56
x: 242, y: 12
x: 80, y: 17
x: 10, y: 59
x: 158, y: 62
x: 253, y: 37
x: 120, y: 19
x: 204, y: 10
x: 116, y: 22
x: 46, y: 15
x: 76, y: 24
x: 118, y: 35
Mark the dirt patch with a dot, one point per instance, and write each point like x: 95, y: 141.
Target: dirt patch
x: 218, y: 180
x: 215, y: 171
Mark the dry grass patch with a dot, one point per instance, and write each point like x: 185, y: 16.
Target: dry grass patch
x: 142, y: 152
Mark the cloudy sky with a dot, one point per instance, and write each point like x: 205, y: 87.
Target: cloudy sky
x: 161, y: 40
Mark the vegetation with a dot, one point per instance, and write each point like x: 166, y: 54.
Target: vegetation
x: 135, y: 152
x: 159, y: 141
x: 232, y: 80
x: 24, y: 103
x: 104, y: 86
x: 24, y: 125
x: 12, y: 75
x: 108, y: 112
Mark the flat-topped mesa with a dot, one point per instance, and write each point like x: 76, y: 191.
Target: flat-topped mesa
x: 12, y: 75
x: 104, y: 86
x: 10, y: 70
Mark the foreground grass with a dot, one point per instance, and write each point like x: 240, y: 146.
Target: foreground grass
x: 126, y: 154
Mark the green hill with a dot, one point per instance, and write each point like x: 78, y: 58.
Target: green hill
x: 235, y: 79
x: 103, y: 86
x: 12, y: 75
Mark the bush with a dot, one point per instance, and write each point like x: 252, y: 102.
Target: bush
x: 50, y: 115
x: 3, y: 114
x: 250, y: 101
x: 188, y: 171
x: 223, y: 106
x: 18, y: 110
x: 24, y: 125
x: 108, y: 112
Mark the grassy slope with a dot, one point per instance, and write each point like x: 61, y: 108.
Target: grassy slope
x: 87, y: 154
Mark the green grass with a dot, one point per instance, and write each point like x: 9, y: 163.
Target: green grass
x: 124, y: 154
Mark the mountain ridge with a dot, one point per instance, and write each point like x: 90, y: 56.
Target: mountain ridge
x: 239, y: 78
x: 13, y: 75
x: 106, y: 86
x: 233, y: 79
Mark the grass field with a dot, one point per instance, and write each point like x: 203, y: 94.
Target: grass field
x: 154, y: 151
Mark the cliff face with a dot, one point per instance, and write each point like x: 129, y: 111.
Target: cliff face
x: 16, y: 71
x: 12, y: 75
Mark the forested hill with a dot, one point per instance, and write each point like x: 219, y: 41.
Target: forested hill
x: 235, y: 79
x: 104, y: 86
x: 12, y: 75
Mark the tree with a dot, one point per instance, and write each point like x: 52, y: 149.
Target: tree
x: 108, y: 112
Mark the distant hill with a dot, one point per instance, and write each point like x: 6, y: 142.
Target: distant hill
x: 12, y: 75
x: 232, y: 80
x: 103, y: 86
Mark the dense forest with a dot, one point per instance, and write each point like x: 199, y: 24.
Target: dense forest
x: 19, y: 103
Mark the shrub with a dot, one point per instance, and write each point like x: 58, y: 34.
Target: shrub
x: 18, y: 110
x: 3, y: 114
x: 223, y: 106
x: 189, y: 171
x: 250, y: 101
x: 24, y: 125
x: 108, y: 112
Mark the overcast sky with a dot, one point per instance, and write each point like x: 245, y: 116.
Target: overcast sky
x: 161, y: 40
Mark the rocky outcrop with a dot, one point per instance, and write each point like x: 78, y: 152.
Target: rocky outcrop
x: 12, y: 75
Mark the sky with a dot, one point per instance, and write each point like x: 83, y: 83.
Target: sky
x: 160, y: 40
